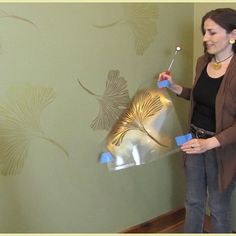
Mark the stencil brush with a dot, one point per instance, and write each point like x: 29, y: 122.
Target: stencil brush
x: 163, y: 80
x: 177, y: 49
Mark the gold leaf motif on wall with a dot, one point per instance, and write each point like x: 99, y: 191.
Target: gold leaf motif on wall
x: 145, y: 104
x: 20, y: 123
x: 112, y: 103
x: 141, y: 18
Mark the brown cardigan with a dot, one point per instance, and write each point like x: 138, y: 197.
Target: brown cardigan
x: 225, y: 112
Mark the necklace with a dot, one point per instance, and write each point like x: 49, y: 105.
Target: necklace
x: 217, y: 64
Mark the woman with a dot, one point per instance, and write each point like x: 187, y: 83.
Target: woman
x: 210, y: 160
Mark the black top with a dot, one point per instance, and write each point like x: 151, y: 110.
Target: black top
x: 204, y: 94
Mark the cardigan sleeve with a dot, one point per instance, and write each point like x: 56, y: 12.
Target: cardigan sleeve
x: 227, y: 136
x: 226, y: 112
x: 186, y: 93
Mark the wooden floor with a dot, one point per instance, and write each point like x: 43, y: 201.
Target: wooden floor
x: 177, y: 228
x: 171, y: 222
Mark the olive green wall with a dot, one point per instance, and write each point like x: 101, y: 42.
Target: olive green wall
x: 53, y: 182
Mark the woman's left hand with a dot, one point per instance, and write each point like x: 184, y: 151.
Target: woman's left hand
x: 197, y: 146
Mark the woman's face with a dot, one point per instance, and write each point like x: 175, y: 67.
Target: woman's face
x: 216, y: 39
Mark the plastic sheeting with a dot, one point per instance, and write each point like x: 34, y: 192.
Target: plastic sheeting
x: 145, y: 131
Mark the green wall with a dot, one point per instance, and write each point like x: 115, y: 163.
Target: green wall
x: 51, y: 181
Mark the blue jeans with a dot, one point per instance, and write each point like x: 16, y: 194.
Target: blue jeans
x: 202, y: 186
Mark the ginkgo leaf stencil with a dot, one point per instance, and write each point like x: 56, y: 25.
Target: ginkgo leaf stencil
x: 144, y: 132
x: 141, y: 18
x: 112, y: 103
x: 20, y: 124
x: 146, y: 104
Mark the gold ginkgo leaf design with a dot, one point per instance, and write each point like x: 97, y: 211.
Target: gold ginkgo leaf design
x: 112, y: 103
x: 4, y: 14
x: 145, y: 104
x: 20, y: 124
x: 141, y: 17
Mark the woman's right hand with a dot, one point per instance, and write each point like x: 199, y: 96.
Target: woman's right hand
x: 165, y: 76
x: 175, y: 88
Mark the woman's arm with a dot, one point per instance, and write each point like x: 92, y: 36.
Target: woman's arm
x: 174, y: 87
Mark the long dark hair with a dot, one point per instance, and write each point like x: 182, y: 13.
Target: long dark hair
x: 224, y: 17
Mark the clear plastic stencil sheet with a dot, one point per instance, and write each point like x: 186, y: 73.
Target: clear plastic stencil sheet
x: 144, y: 132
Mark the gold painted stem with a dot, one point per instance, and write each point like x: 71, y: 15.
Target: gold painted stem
x: 150, y: 136
x: 56, y: 144
x: 18, y: 18
x: 107, y: 25
x: 87, y: 90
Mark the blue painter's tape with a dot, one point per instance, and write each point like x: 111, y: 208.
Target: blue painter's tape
x: 163, y: 83
x: 105, y: 158
x: 183, y: 139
